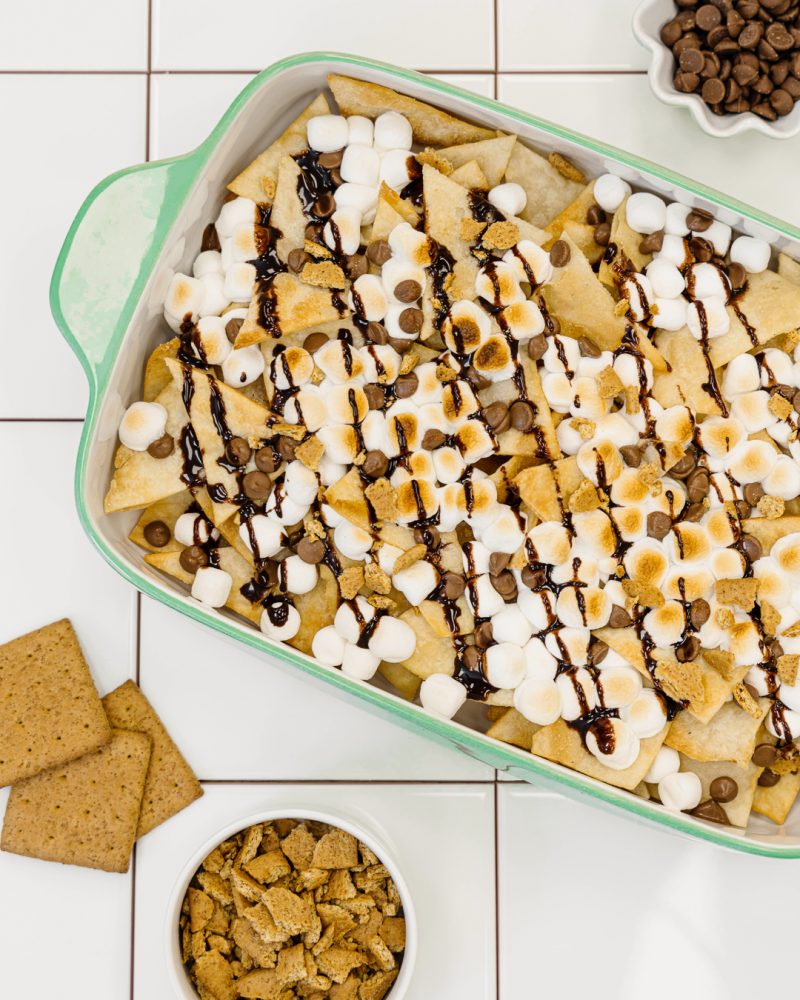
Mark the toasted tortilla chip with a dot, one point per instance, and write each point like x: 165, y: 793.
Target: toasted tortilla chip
x: 745, y: 776
x: 548, y: 191
x: 156, y: 373
x: 514, y: 728
x: 789, y: 268
x: 546, y: 489
x: 430, y: 125
x: 257, y: 181
x: 229, y: 529
x: 470, y: 175
x: 434, y: 654
x: 627, y: 243
x: 769, y: 530
x: 443, y: 626
x: 167, y: 510
x: 391, y: 211
x: 317, y: 609
x: 541, y: 442
x: 293, y: 306
x: 287, y: 214
x: 729, y: 735
x: 684, y: 383
x: 776, y: 801
x: 582, y: 235
x: 562, y: 744
x: 401, y: 679
x: 492, y: 156
x: 229, y: 560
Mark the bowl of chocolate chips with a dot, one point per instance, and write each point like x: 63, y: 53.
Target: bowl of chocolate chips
x: 735, y: 64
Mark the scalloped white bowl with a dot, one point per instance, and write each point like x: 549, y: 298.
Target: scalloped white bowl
x: 650, y: 16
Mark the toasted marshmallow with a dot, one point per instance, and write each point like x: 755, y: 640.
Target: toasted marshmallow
x: 494, y: 360
x: 789, y: 721
x: 752, y: 461
x: 508, y: 198
x: 753, y: 254
x: 417, y: 500
x: 529, y: 262
x: 718, y: 235
x: 510, y: 625
x: 342, y: 231
x: 629, y: 488
x: 639, y: 293
x: 522, y: 320
x: 262, y: 535
x: 367, y: 298
x: 646, y: 562
x: 578, y: 693
x: 790, y: 696
x: 706, y: 281
x: 393, y: 640
x: 570, y: 645
x: 727, y: 564
x: 776, y: 366
x: 595, y: 532
x: 682, y: 583
x: 741, y: 375
x: 743, y: 640
x: 280, y: 620
x: 562, y: 355
x: 617, y: 749
x: 239, y: 280
x: 213, y: 340
x: 429, y: 388
x: 504, y: 664
x: 347, y: 404
x: 645, y: 714
x: 306, y: 407
x: 631, y: 523
x: 243, y: 366
x: 675, y: 222
x: 418, y: 465
x: 752, y: 409
x: 676, y: 423
x: 184, y: 298
x: 339, y: 361
x: 587, y: 607
x: 283, y: 509
x: 680, y: 791
x: 327, y: 646
x: 296, y: 576
x: 327, y: 133
x: 300, y: 483
x: 688, y: 543
x: 290, y: 368
x: 380, y: 363
x: 600, y: 462
x: 580, y: 568
x: 774, y: 583
x: 481, y: 503
x: 634, y: 371
x: 539, y: 607
x: 207, y: 262
x: 720, y: 435
x: 483, y: 598
x: 666, y: 624
x: 211, y: 586
x: 411, y: 245
x: 666, y: 280
x: 668, y: 314
x: 538, y: 700
x: 397, y: 270
x: 243, y: 244
x: 352, y: 541
x: 417, y: 581
x: 474, y: 441
x: 666, y: 761
x: 674, y: 249
x: 397, y: 166
x: 551, y: 542
x: 497, y: 283
x: 722, y: 490
x: 349, y: 621
x: 142, y: 424
x: 539, y: 661
x: 558, y: 392
x: 403, y: 430
x: 707, y: 318
x: 361, y: 198
x: 233, y: 214
x: 645, y: 213
x: 786, y: 553
x: 393, y: 131
x: 784, y: 479
x: 610, y: 191
x: 452, y: 506
x: 359, y: 663
x: 441, y: 695
x: 719, y: 526
x: 360, y: 164
x: 587, y: 401
x: 465, y: 327
x: 505, y: 532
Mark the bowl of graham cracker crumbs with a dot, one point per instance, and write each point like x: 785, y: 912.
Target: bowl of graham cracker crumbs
x: 305, y: 905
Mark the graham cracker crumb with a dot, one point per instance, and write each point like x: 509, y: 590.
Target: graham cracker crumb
x: 351, y: 581
x: 771, y: 507
x: 621, y: 307
x: 381, y: 602
x: 746, y: 701
x: 585, y: 498
x: 501, y: 236
x: 409, y: 557
x: 295, y: 431
x: 566, y: 168
x: 792, y: 631
x: 787, y: 668
x: 317, y: 250
x: 648, y: 473
x: 375, y: 578
x: 680, y: 681
x: 316, y: 529
x: 724, y: 618
x: 409, y: 362
x: 310, y: 452
x: 609, y: 383
x: 721, y: 661
x: 585, y: 427
x: 445, y: 374
x: 471, y: 229
x: 741, y: 593
x: 317, y: 376
x: 644, y: 594
x: 383, y: 499
x: 632, y: 402
x: 323, y: 274
x: 435, y: 159
x: 779, y: 406
x: 770, y: 618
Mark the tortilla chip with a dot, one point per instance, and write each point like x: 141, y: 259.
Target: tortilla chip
x: 745, y: 776
x: 729, y: 735
x: 770, y: 305
x: 776, y: 801
x: 317, y: 609
x: 292, y: 306
x: 470, y: 175
x: 491, y: 155
x: 287, y: 214
x: 167, y: 510
x: 546, y: 489
x: 548, y: 191
x: 391, y: 211
x: 513, y: 728
x: 684, y: 383
x: 768, y: 531
x: 434, y: 654
x: 156, y: 373
x: 789, y: 268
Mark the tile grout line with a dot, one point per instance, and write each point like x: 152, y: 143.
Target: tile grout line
x: 393, y: 782
x: 238, y: 71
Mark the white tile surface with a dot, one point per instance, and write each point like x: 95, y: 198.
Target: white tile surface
x: 450, y: 876
x: 240, y: 716
x: 622, y: 110
x: 580, y: 34
x: 63, y: 135
x: 619, y: 912
x: 81, y: 34
x: 204, y: 34
x: 49, y: 569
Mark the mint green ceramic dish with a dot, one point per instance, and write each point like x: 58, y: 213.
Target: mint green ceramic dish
x: 140, y: 224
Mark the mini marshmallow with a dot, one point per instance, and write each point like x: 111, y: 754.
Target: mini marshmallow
x: 308, y: 403
x: 142, y: 424
x: 211, y: 586
x: 465, y: 327
x: 448, y: 464
x: 752, y: 461
x: 666, y: 280
x: 558, y: 391
x: 352, y: 541
x: 396, y: 168
x: 300, y: 483
x: 475, y: 558
x: 411, y: 245
x: 624, y: 745
x: 381, y: 363
x: 760, y: 679
x: 600, y: 461
x: 522, y: 320
x: 741, y: 375
x: 776, y: 366
x: 504, y: 533
x: 368, y: 293
x: 266, y: 533
x: 243, y: 245
x: 511, y: 626
x: 327, y: 133
x: 675, y: 250
x: 645, y: 715
x: 393, y: 640
x: 570, y: 645
x: 753, y: 254
x: 474, y: 441
x: 676, y: 423
x: 585, y: 607
x: 504, y: 664
x: 562, y: 355
x: 610, y: 191
x: 282, y: 509
x: 551, y: 542
x: 790, y: 696
x: 441, y: 695
x: 339, y: 361
x: 744, y: 641
x: 359, y: 663
x: 646, y: 562
x: 538, y: 699
x: 498, y: 285
x: 784, y: 479
x: 668, y: 314
x: 675, y: 223
x: 539, y: 661
x: 239, y: 280
x: 361, y: 197
x: 639, y: 292
x: 707, y: 318
x: 297, y: 576
x: 578, y: 693
x: 348, y: 623
x: 191, y: 529
x: 718, y: 235
x: 393, y: 131
x: 786, y: 553
x: 373, y: 430
x: 280, y: 621
x: 342, y: 231
x: 347, y: 404
x: 360, y: 165
x: 646, y: 213
x: 706, y: 281
x: 207, y: 262
x: 634, y: 370
x: 213, y: 339
x: 666, y: 624
x: 483, y: 598
x: 360, y: 130
x: 233, y: 214
x: 529, y: 262
x: 666, y: 761
x: 417, y: 581
x: 184, y: 298
x: 789, y: 721
x: 680, y: 790
x: 243, y: 366
x: 508, y: 198
x: 327, y: 646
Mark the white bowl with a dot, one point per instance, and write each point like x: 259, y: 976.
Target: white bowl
x: 648, y: 20
x: 178, y: 977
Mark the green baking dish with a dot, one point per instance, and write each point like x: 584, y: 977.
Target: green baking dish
x: 140, y: 224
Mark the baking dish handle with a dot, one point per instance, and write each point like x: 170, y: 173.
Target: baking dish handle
x: 108, y: 255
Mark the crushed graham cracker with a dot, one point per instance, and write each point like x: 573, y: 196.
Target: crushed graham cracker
x: 724, y: 618
x: 268, y: 187
x: 383, y: 499
x: 409, y: 557
x: 741, y: 593
x: 609, y: 384
x: 771, y: 507
x: 409, y: 362
x: 746, y: 701
x: 586, y: 428
x: 317, y: 250
x: 501, y: 236
x: 770, y: 618
x: 310, y: 452
x: 585, y: 498
x: 779, y: 406
x: 323, y: 274
x: 724, y: 663
x: 377, y: 579
x: 681, y: 681
x: 316, y: 529
x: 792, y: 631
x: 351, y: 580
x: 381, y: 601
x: 788, y: 667
x: 470, y: 230
x: 566, y: 168
x: 295, y: 431
x: 622, y: 307
x: 445, y: 374
x: 648, y: 473
x: 632, y: 402
x: 644, y: 594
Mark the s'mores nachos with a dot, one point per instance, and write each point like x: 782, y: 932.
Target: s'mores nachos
x: 439, y: 407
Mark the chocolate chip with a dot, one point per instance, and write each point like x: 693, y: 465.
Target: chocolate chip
x: 744, y: 74
x: 232, y: 328
x: 750, y: 35
x: 688, y: 650
x: 471, y: 658
x: 598, y: 651
x: 433, y: 438
x: 238, y: 451
x: 632, y: 455
x: 671, y: 32
x: 375, y: 464
x: 192, y: 558
x: 523, y: 416
x: 324, y: 206
x: 330, y: 160
x: 505, y: 584
x: 742, y: 508
x: 737, y: 276
x: 775, y: 649
x: 379, y: 252
x: 691, y: 60
x: 497, y: 416
x: 297, y: 260
x: 267, y: 460
x: 560, y: 253
x: 427, y: 536
x: 453, y: 585
x: 686, y: 83
x: 765, y: 110
x: 376, y: 333
x: 752, y: 547
x: 356, y: 265
x: 653, y: 242
x: 483, y: 635
x: 723, y: 789
x: 602, y: 234
x: 314, y: 232
x: 779, y: 38
x: 701, y: 249
x: 619, y: 617
x: 538, y: 345
x: 752, y: 691
x: 311, y: 550
x: 407, y: 291
x: 552, y: 325
x: 475, y: 379
x: 711, y: 811
x: 765, y: 754
x: 707, y: 17
x: 314, y: 341
x: 659, y: 524
x: 698, y: 484
x: 287, y: 447
x: 694, y: 512
x: 162, y: 447
x: 796, y: 401
x: 257, y: 486
x: 752, y: 493
x: 534, y: 579
x: 781, y: 101
x: 406, y: 385
x: 713, y: 91
x: 498, y: 561
x: 595, y: 215
x: 768, y: 779
x: 699, y: 613
x: 588, y: 348
x: 410, y: 320
x: 401, y: 346
x: 210, y: 239
x: 157, y: 534
x: 684, y: 466
x: 699, y: 220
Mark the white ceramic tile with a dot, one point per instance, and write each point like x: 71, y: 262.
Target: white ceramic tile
x: 64, y: 134
x: 240, y: 715
x: 65, y: 931
x: 622, y: 110
x: 581, y: 34
x: 450, y: 875
x: 205, y: 34
x: 478, y: 83
x: 619, y: 911
x: 49, y: 569
x: 81, y: 34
